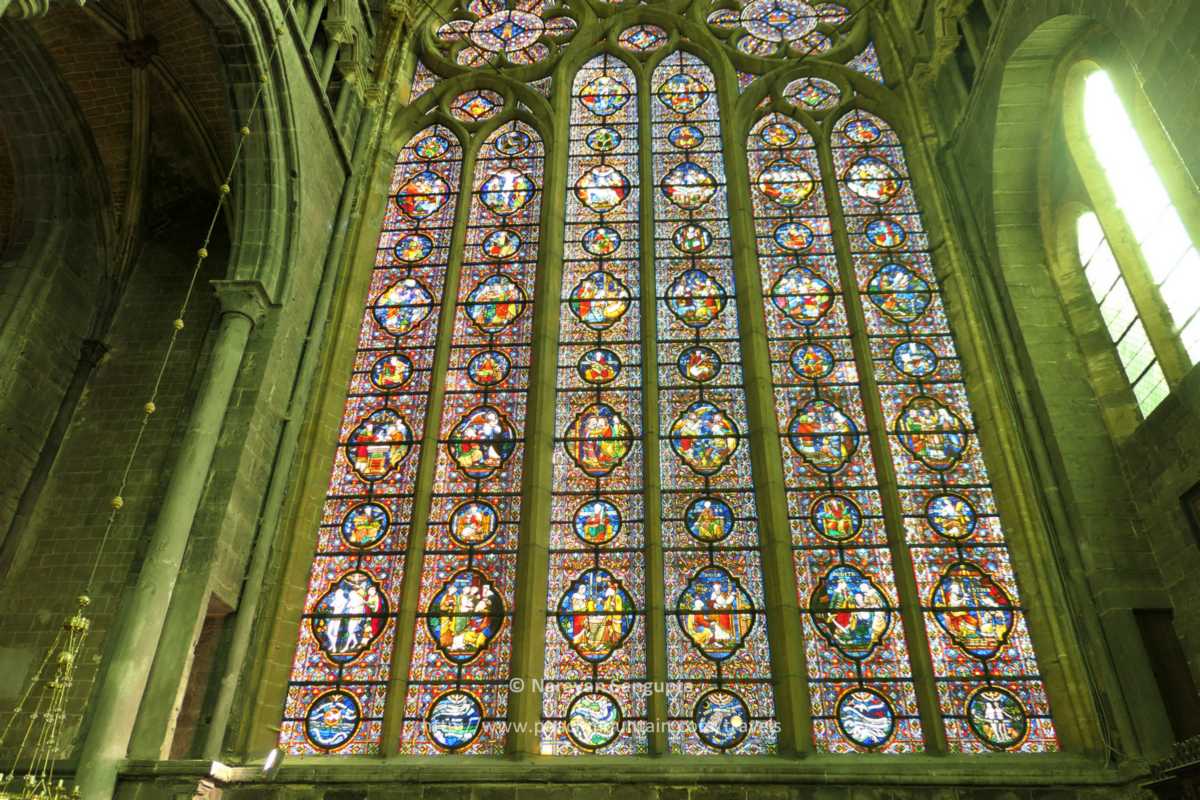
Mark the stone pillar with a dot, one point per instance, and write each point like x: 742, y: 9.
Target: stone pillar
x: 116, y: 701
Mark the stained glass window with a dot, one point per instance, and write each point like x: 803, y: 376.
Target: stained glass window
x: 343, y: 660
x: 596, y: 629
x: 990, y: 692
x: 719, y: 693
x: 1121, y: 319
x: 858, y: 664
x: 1167, y: 248
x: 654, y: 623
x: 457, y: 691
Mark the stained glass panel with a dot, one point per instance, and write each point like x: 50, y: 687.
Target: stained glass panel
x: 719, y: 692
x: 595, y: 628
x: 986, y: 672
x: 343, y: 660
x: 860, y: 680
x: 458, y: 695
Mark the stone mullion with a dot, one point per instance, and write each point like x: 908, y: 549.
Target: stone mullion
x: 533, y: 560
x: 923, y: 675
x: 656, y: 620
x: 784, y: 632
x: 422, y: 498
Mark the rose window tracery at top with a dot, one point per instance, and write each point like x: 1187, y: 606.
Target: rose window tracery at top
x: 770, y: 27
x: 494, y: 32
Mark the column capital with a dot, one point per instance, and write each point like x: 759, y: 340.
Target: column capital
x: 248, y: 298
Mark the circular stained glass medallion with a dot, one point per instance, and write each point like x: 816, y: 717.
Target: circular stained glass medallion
x: 685, y: 137
x: 885, y: 232
x: 699, y: 364
x: 722, y: 719
x: 365, y: 525
x: 513, y: 142
x: 642, y: 38
x: 332, y: 720
x: 413, y: 248
x: 432, y: 147
x: 391, y: 371
x: 866, y: 717
x: 812, y: 361
x: 997, y: 717
x: 601, y: 241
x: 593, y: 720
x: 603, y: 139
x: 794, y: 236
x: 488, y: 368
x: 501, y: 244
x: 862, y: 130
x: 708, y: 519
x: 474, y: 523
x: 454, y: 720
x: 597, y: 522
x: 836, y: 517
x: 600, y: 366
x: 778, y: 134
x: 692, y: 239
x: 915, y: 359
x: 951, y: 515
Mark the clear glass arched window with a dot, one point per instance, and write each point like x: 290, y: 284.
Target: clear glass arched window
x: 1149, y: 290
x: 704, y: 260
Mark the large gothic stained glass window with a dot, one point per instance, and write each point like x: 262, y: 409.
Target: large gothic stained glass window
x: 647, y: 594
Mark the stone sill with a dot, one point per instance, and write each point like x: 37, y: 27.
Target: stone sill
x: 1000, y: 769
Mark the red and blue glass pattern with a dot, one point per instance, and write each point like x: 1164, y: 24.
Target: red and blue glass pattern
x: 860, y: 681
x: 596, y: 607
x: 989, y: 690
x: 719, y: 694
x: 343, y: 660
x: 457, y: 692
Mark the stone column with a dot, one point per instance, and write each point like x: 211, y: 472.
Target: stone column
x: 118, y: 697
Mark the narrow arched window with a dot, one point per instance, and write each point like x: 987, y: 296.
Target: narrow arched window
x: 717, y: 489
x: 1138, y: 255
